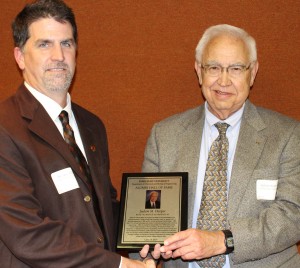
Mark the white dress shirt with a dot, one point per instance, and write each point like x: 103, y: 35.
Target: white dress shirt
x: 210, y: 133
x: 54, y: 109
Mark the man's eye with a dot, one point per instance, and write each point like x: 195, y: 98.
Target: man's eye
x: 236, y: 68
x: 66, y: 44
x: 214, y: 68
x: 43, y: 45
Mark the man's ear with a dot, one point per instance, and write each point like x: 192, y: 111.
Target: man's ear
x: 198, y: 71
x: 253, y: 73
x: 19, y: 57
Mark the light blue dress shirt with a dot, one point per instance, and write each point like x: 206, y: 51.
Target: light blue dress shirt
x: 210, y: 133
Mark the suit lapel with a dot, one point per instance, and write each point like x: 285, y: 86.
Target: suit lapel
x: 90, y: 148
x: 42, y: 125
x: 189, y: 155
x: 93, y: 154
x: 250, y: 144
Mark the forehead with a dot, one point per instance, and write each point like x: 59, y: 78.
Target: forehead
x: 226, y: 49
x: 49, y: 28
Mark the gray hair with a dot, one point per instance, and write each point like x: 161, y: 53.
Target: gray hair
x: 225, y: 29
x: 153, y: 192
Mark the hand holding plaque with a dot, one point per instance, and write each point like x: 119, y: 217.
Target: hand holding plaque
x: 153, y: 207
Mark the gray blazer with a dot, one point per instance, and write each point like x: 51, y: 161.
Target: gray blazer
x: 265, y: 232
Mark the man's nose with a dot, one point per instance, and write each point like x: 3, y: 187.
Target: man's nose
x: 58, y: 53
x: 224, y: 78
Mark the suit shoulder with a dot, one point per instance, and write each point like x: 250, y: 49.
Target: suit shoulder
x: 85, y: 115
x: 9, y: 111
x: 7, y: 103
x: 184, y: 119
x: 276, y: 119
x: 273, y: 123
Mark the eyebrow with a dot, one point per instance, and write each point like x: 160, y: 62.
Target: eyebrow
x: 71, y: 40
x: 42, y: 40
x: 217, y: 63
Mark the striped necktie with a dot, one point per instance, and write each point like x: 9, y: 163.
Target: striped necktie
x: 80, y: 159
x: 73, y: 147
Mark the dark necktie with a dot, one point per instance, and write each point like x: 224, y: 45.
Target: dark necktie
x: 213, y: 210
x: 80, y: 159
x: 73, y: 147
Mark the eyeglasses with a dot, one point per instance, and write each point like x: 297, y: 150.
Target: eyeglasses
x: 234, y: 70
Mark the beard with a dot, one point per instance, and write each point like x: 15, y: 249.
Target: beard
x: 58, y: 82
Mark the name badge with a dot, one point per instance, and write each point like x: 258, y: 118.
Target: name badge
x: 266, y: 189
x: 64, y: 180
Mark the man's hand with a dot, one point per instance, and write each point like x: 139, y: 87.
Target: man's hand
x: 194, y: 244
x: 127, y: 263
x: 148, y: 259
x: 155, y: 253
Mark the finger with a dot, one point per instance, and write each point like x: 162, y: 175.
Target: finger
x: 189, y: 256
x: 156, y: 252
x: 150, y: 263
x: 178, y: 253
x: 144, y: 251
x: 164, y: 249
x: 186, y: 252
x: 173, y: 246
x: 167, y: 255
x: 176, y: 237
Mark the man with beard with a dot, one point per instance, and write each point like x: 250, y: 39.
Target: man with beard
x: 58, y: 206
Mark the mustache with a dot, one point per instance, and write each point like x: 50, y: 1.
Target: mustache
x: 57, y: 65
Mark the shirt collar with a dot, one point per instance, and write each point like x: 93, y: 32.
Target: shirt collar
x: 51, y: 107
x: 232, y: 120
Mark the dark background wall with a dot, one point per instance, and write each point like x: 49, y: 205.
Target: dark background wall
x: 136, y: 61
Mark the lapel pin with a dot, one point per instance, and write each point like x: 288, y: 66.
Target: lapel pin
x: 93, y: 148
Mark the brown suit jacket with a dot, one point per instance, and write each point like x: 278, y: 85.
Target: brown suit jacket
x: 38, y: 226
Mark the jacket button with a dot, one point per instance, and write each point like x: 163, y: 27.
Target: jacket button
x: 87, y: 198
x: 100, y: 240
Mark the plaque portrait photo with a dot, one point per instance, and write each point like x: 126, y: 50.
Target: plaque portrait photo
x: 153, y: 199
x: 153, y: 207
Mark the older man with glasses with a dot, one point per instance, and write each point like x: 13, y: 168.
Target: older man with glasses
x: 243, y: 163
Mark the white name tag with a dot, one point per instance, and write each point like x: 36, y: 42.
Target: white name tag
x: 64, y: 180
x: 266, y: 189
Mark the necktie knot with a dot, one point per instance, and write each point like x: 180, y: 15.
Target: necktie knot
x: 222, y: 128
x: 64, y: 117
x: 68, y: 131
